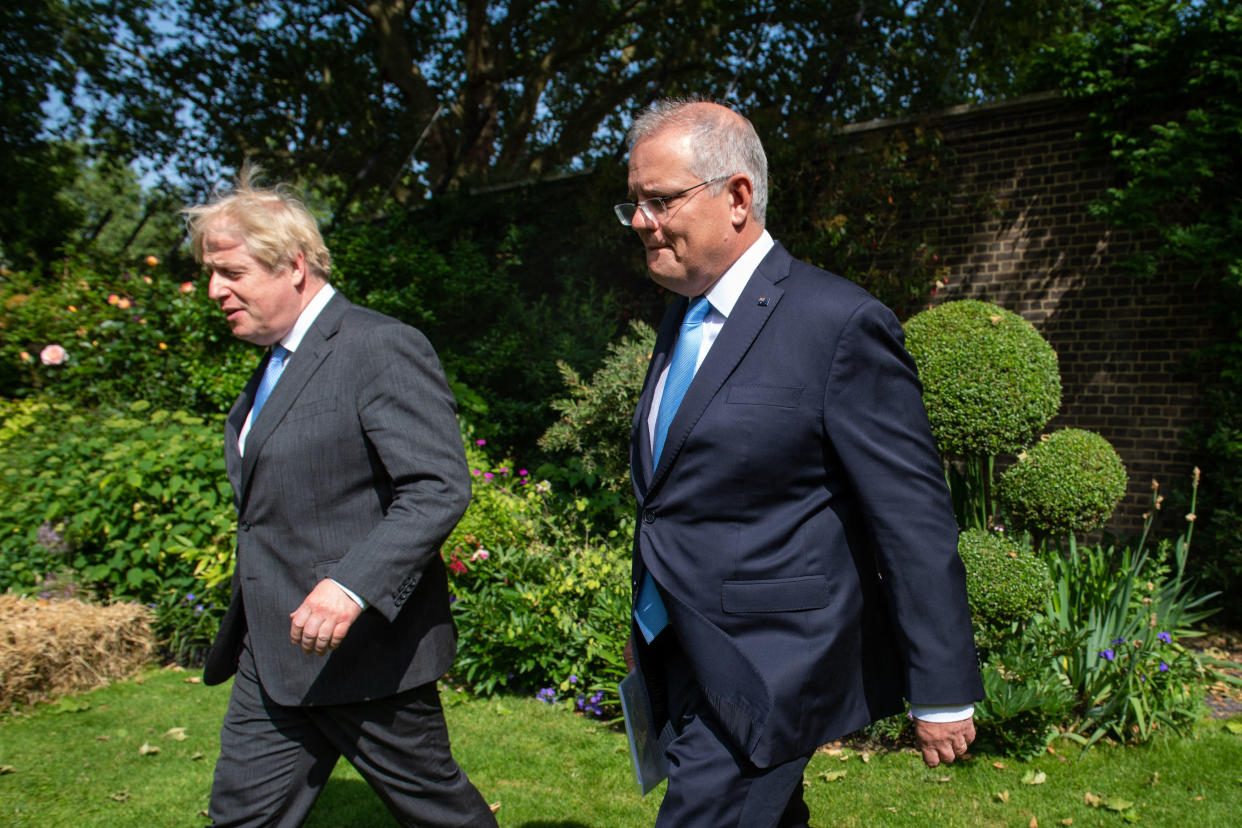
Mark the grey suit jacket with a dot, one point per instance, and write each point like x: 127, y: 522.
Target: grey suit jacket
x: 355, y: 471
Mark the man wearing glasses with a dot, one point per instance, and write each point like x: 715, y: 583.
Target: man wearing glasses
x: 795, y: 560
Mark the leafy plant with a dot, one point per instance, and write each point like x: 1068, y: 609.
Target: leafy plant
x: 990, y: 382
x: 1005, y: 581
x: 1131, y: 674
x: 136, y: 505
x: 95, y: 338
x: 1068, y: 482
x: 594, y: 425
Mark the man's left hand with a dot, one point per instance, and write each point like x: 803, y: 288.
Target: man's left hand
x: 322, y: 620
x: 943, y: 741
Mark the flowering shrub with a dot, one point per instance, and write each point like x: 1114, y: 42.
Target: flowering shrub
x: 539, y: 603
x: 134, y: 506
x: 94, y: 338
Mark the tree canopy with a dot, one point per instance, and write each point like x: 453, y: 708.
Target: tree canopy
x: 396, y: 100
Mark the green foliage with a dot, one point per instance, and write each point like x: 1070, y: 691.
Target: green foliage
x: 1025, y: 700
x: 490, y: 294
x: 541, y: 594
x: 596, y: 416
x: 1067, y: 483
x: 1174, y: 148
x: 133, y: 335
x: 990, y: 381
x: 1005, y: 581
x: 134, y: 504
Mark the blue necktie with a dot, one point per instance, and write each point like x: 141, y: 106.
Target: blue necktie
x: 275, y: 365
x: 680, y: 372
x: 649, y: 611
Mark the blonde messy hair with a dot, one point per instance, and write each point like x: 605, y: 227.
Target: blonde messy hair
x: 275, y: 224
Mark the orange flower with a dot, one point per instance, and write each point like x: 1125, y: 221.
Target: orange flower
x: 187, y: 287
x: 25, y: 355
x: 123, y: 303
x: 113, y: 299
x: 152, y: 261
x: 73, y: 309
x: 163, y: 347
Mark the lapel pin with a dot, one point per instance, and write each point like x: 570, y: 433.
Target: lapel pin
x: 763, y: 301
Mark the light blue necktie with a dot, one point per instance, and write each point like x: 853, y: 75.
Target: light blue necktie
x: 275, y: 365
x: 650, y: 612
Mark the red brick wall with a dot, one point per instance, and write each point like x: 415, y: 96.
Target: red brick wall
x: 1121, y: 341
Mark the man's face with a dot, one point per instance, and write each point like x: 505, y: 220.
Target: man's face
x: 693, y: 245
x: 260, y: 304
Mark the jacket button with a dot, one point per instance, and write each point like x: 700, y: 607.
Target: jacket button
x: 649, y: 516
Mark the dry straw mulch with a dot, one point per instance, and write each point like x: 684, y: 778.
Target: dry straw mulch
x: 48, y: 648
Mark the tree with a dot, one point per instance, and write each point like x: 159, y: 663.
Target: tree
x: 382, y: 100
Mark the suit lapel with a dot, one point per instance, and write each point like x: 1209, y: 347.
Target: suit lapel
x: 233, y: 425
x: 751, y: 312
x: 311, y: 353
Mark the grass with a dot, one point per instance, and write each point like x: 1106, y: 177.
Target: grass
x: 82, y: 762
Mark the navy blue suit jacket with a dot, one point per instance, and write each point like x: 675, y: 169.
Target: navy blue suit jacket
x: 798, y: 523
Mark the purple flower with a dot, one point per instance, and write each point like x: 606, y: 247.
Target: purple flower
x: 1164, y: 668
x: 1165, y: 637
x: 546, y: 695
x: 1107, y: 654
x: 189, y: 597
x: 1117, y: 641
x: 573, y: 679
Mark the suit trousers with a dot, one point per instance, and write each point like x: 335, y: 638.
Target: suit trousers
x: 710, y: 783
x: 274, y: 760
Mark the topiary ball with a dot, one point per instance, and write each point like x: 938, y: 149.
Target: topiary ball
x: 1068, y: 482
x: 1005, y: 581
x: 990, y: 381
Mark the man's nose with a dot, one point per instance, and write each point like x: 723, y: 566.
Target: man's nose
x: 640, y: 221
x: 215, y: 290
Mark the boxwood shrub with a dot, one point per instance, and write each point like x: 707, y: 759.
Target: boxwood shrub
x: 990, y: 381
x: 1068, y: 482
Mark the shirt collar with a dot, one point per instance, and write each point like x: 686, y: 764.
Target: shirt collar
x: 724, y: 294
x: 307, y: 317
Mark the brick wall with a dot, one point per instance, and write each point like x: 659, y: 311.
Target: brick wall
x: 1121, y: 341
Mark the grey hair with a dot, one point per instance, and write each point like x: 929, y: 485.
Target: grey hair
x: 720, y: 145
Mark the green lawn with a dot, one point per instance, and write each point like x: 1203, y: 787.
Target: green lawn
x: 141, y: 752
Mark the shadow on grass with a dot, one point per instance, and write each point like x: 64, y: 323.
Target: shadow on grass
x: 349, y: 803
x: 543, y: 823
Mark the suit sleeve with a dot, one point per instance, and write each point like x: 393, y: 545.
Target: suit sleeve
x: 875, y: 419
x: 407, y: 416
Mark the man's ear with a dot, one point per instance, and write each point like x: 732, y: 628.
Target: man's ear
x: 299, y: 270
x: 741, y: 198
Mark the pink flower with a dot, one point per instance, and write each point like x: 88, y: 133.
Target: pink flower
x: 522, y: 472
x: 53, y: 355
x: 457, y: 566
x: 187, y: 287
x: 480, y: 442
x: 488, y: 476
x: 480, y: 555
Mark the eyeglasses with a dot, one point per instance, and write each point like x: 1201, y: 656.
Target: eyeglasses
x: 656, y: 209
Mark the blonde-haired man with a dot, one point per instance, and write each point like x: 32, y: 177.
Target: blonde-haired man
x: 348, y: 472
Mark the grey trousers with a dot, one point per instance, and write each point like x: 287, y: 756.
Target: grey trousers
x: 274, y: 760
